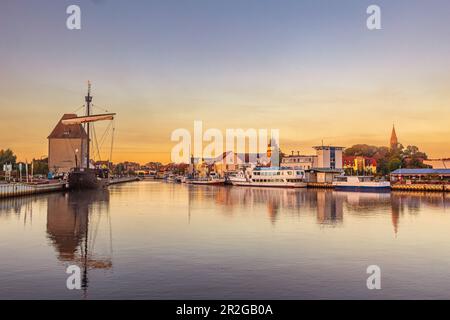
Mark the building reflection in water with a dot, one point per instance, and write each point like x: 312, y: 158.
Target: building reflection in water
x: 412, y: 202
x: 330, y: 207
x: 327, y: 204
x: 73, y: 224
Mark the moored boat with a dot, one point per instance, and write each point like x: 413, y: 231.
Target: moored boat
x: 360, y: 183
x: 86, y: 177
x: 278, y: 177
x: 83, y: 178
x: 211, y: 179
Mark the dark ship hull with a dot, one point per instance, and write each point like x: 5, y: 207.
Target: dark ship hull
x: 80, y: 179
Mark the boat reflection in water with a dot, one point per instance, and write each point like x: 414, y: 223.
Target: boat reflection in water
x: 74, y: 221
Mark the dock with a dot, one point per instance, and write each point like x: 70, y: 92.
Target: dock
x: 322, y: 185
x: 8, y: 190
x: 422, y: 187
x: 123, y: 180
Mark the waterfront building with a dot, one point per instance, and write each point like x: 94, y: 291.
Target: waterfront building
x: 103, y: 164
x: 304, y: 162
x: 329, y: 164
x: 438, y: 163
x: 422, y: 176
x: 67, y: 146
x: 232, y: 162
x: 329, y: 157
x: 359, y: 165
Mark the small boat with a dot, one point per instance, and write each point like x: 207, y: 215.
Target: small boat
x: 360, y: 183
x: 212, y: 179
x: 270, y: 177
x: 171, y: 178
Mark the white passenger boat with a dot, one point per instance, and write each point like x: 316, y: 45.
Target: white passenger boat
x: 360, y: 183
x: 270, y: 177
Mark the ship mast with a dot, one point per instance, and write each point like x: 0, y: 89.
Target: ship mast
x: 88, y: 100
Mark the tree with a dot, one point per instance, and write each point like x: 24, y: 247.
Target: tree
x: 413, y: 157
x: 388, y: 159
x: 394, y: 164
x: 119, y: 169
x: 361, y: 150
x: 7, y: 156
x: 40, y: 166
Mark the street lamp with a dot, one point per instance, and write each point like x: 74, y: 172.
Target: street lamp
x: 76, y: 159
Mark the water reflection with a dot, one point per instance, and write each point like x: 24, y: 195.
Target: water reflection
x: 231, y: 228
x: 330, y: 206
x: 73, y: 223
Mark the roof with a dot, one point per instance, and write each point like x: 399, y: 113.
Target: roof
x: 300, y: 156
x: 70, y: 131
x: 327, y: 170
x: 271, y: 168
x: 421, y: 171
x: 328, y: 147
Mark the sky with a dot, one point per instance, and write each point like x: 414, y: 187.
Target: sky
x: 309, y: 68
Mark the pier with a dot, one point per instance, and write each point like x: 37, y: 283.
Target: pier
x: 422, y: 187
x: 8, y: 190
x: 323, y: 185
x: 123, y: 180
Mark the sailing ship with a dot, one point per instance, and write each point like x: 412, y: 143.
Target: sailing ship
x: 86, y: 177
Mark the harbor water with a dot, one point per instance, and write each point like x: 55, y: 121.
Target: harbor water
x: 157, y: 240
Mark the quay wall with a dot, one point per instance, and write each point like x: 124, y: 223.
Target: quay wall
x: 123, y: 180
x: 422, y: 187
x: 320, y: 185
x: 8, y: 190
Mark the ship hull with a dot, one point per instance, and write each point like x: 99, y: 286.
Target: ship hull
x: 269, y: 184
x: 87, y: 179
x: 362, y: 188
x: 207, y: 182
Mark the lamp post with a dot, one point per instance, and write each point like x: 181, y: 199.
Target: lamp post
x: 76, y: 158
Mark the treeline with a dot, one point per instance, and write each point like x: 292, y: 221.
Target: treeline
x: 40, y: 166
x: 390, y: 159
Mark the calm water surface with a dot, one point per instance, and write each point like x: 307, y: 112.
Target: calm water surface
x: 153, y: 240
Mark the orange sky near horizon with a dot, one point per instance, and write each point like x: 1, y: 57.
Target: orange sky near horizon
x: 313, y: 70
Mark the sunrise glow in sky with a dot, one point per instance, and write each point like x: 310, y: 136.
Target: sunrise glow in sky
x: 309, y: 68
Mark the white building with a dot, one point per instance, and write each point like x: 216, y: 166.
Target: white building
x: 329, y: 164
x: 329, y: 157
x: 300, y: 162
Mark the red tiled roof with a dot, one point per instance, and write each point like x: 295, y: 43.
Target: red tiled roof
x: 71, y: 131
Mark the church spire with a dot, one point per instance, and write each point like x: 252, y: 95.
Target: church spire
x: 394, y: 140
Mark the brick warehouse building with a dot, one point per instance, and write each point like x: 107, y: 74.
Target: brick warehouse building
x: 67, y: 146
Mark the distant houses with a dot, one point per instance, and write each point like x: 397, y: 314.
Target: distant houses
x: 421, y: 176
x: 359, y: 165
